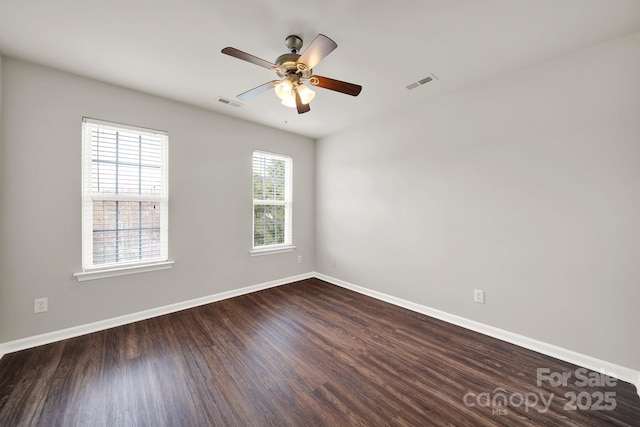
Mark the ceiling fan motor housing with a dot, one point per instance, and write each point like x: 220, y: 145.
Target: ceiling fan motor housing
x: 288, y: 65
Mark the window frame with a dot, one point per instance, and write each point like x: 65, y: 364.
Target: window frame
x: 287, y: 245
x: 90, y: 270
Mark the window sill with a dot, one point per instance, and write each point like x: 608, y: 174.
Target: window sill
x: 121, y: 271
x: 275, y: 250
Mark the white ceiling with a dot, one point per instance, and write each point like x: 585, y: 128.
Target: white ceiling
x: 172, y: 48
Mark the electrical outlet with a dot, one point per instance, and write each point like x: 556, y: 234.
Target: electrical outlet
x: 40, y: 305
x: 478, y: 296
x: 299, y: 259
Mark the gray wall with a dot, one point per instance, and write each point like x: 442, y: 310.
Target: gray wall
x: 210, y: 201
x: 525, y: 186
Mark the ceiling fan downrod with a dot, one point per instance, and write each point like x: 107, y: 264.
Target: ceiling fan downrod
x: 293, y: 43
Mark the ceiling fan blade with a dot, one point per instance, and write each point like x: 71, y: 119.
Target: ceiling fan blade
x: 231, y: 51
x: 257, y: 90
x: 320, y: 47
x: 336, y: 85
x: 302, y: 108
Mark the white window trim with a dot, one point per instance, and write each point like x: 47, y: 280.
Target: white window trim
x: 122, y: 270
x: 90, y: 272
x: 287, y: 203
x: 272, y: 249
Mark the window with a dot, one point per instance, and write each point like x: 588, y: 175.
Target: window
x: 124, y: 195
x: 272, y: 202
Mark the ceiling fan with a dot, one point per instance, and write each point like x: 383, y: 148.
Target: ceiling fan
x: 294, y: 70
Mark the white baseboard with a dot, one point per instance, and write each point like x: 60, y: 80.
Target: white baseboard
x: 34, y: 341
x: 620, y: 372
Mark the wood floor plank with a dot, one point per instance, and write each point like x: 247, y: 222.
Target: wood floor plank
x: 304, y: 354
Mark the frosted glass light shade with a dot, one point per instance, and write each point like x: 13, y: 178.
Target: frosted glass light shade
x: 284, y: 89
x: 289, y: 101
x: 306, y: 94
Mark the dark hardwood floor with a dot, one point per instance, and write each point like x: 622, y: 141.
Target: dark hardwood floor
x: 303, y: 354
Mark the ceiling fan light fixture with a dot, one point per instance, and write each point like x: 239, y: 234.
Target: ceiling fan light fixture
x: 286, y: 91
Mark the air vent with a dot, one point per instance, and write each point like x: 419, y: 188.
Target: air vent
x: 229, y: 102
x: 422, y: 81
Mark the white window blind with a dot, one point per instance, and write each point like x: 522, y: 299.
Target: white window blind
x: 124, y: 195
x: 272, y: 200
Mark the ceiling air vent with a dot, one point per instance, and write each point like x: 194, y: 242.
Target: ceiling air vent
x: 422, y: 81
x: 229, y: 102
